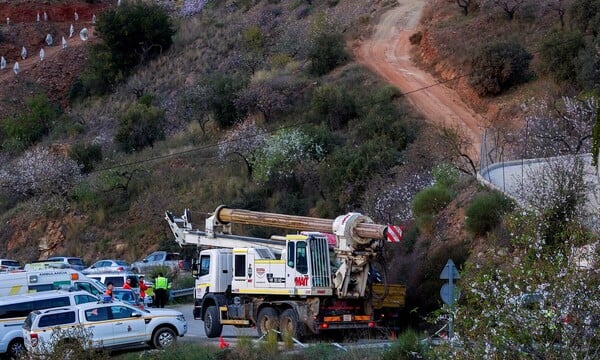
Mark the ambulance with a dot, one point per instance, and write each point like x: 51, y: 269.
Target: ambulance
x: 25, y: 282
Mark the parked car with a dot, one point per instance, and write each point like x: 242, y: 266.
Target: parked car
x: 74, y: 263
x: 45, y: 264
x: 132, y: 297
x: 114, y: 324
x: 118, y: 279
x: 158, y: 258
x: 9, y: 265
x: 14, y: 309
x: 106, y: 266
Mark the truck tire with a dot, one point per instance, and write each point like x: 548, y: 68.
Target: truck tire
x: 267, y: 320
x: 16, y: 349
x: 290, y: 325
x: 212, y: 322
x: 163, y: 338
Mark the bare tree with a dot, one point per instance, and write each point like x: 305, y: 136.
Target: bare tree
x: 195, y: 106
x: 559, y: 7
x: 456, y: 148
x: 559, y: 127
x: 268, y: 96
x: 510, y: 7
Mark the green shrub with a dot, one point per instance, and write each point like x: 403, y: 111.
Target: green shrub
x: 407, y: 346
x: 558, y: 54
x: 431, y: 200
x: 326, y: 52
x: 222, y: 93
x: 585, y: 16
x: 30, y: 126
x: 485, y: 212
x: 139, y: 127
x: 324, y: 351
x: 445, y: 175
x: 588, y: 68
x: 409, y: 239
x: 346, y: 171
x: 331, y: 104
x: 498, y: 66
x: 86, y: 155
x: 148, y: 30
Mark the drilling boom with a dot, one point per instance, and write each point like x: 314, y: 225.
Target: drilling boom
x: 302, y: 223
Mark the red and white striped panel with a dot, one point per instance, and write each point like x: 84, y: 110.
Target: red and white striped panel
x: 394, y: 233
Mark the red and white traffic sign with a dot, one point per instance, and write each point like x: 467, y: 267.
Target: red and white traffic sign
x: 394, y: 233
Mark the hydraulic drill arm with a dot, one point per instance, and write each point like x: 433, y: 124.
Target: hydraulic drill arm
x: 353, y: 230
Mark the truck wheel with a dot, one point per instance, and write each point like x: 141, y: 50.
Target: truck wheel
x: 163, y: 338
x: 290, y: 325
x: 267, y: 320
x: 212, y: 322
x: 16, y: 349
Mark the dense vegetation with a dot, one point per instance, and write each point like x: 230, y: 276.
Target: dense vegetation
x: 259, y: 105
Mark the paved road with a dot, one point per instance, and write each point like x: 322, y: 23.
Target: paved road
x: 196, y: 328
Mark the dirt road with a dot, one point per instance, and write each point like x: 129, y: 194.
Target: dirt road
x: 387, y: 52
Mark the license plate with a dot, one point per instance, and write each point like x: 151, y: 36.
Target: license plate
x: 347, y: 317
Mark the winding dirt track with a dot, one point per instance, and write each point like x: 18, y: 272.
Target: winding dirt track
x: 388, y: 53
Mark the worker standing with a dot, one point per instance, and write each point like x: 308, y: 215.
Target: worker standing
x: 127, y: 284
x: 161, y: 284
x: 143, y: 287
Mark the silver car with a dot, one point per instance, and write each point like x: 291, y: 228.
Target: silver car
x: 9, y: 265
x: 70, y: 262
x: 107, y: 266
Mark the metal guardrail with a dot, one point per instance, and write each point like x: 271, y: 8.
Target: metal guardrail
x: 182, y: 292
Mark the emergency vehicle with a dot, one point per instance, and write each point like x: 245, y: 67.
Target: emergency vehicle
x: 24, y: 282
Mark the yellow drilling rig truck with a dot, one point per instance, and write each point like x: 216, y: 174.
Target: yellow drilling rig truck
x: 327, y: 277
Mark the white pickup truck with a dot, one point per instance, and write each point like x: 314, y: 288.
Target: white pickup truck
x: 110, y: 325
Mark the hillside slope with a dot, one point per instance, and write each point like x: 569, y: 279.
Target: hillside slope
x: 56, y: 73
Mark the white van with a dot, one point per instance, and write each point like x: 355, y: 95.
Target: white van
x: 14, y: 311
x: 118, y: 279
x: 24, y: 282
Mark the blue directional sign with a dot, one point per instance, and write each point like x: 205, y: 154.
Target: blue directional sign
x: 450, y: 271
x: 446, y: 294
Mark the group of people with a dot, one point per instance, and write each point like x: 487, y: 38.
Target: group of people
x: 161, y: 285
